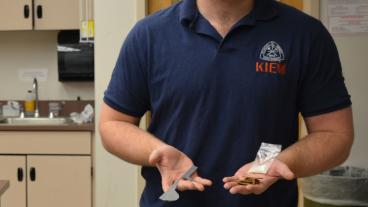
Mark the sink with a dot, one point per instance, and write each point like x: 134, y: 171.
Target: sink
x: 36, y: 121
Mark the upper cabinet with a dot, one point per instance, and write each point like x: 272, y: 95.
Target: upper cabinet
x: 56, y: 14
x: 16, y: 15
x: 41, y: 14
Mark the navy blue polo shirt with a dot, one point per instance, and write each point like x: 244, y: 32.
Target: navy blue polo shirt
x: 216, y: 99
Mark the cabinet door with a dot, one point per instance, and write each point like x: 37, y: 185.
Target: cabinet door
x: 59, y: 181
x: 13, y: 168
x: 15, y: 15
x: 56, y: 14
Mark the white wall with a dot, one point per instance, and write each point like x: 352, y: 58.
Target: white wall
x: 117, y: 182
x: 35, y: 50
x: 353, y: 54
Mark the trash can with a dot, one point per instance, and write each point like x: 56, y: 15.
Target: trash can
x: 342, y: 186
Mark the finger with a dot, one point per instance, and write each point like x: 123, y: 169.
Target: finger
x: 165, y: 184
x: 186, y: 185
x: 190, y: 185
x: 198, y: 186
x: 239, y: 189
x: 155, y: 157
x: 229, y: 185
x: 231, y: 179
x: 263, y: 186
x: 203, y: 181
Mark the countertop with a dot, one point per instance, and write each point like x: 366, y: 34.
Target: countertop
x: 64, y: 127
x: 4, y: 185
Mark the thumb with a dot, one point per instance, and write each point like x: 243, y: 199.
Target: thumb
x: 155, y: 157
x: 284, y: 171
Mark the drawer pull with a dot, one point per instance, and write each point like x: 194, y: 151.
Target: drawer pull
x: 20, y: 174
x: 26, y: 11
x: 32, y: 174
x: 39, y: 12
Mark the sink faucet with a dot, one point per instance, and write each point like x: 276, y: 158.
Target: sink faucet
x: 35, y: 88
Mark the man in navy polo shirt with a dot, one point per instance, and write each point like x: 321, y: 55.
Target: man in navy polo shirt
x: 220, y: 77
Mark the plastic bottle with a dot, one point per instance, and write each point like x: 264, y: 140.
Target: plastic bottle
x: 29, y: 103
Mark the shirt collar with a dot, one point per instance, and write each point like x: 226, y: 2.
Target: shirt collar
x: 264, y: 10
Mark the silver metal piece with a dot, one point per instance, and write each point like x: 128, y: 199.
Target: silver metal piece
x: 21, y: 116
x: 35, y: 88
x: 187, y: 175
x: 171, y: 194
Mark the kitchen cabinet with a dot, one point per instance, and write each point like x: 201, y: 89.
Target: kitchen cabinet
x: 15, y: 15
x: 40, y: 14
x: 56, y: 14
x: 46, y: 168
x: 13, y: 169
x: 59, y: 181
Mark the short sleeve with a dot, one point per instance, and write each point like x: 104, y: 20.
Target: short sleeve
x: 322, y: 89
x: 127, y: 91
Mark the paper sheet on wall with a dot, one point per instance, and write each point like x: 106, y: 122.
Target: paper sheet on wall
x: 348, y: 16
x: 27, y: 75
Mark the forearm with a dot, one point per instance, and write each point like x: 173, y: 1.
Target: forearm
x: 128, y: 142
x: 316, y: 153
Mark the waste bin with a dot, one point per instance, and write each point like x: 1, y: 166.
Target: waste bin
x: 342, y: 186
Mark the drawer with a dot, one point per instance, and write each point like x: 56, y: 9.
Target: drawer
x: 45, y: 143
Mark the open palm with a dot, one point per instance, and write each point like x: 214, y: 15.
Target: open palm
x: 278, y: 170
x: 172, y: 164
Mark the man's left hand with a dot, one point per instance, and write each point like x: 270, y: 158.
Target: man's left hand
x: 277, y: 170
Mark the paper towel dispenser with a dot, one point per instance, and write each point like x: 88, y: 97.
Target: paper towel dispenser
x: 75, y: 59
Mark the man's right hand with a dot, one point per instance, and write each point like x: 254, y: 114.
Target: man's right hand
x: 172, y: 164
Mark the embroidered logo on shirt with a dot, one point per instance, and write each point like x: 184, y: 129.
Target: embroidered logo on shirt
x: 272, y: 58
x: 272, y: 52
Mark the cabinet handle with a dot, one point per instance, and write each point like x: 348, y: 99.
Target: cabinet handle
x: 20, y: 174
x: 32, y: 174
x: 26, y: 11
x: 39, y: 12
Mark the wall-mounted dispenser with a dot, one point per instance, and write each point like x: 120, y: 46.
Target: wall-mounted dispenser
x: 75, y: 59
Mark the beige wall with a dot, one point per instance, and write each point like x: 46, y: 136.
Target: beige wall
x: 353, y: 54
x: 34, y: 50
x: 117, y: 182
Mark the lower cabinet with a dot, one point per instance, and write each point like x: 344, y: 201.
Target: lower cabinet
x: 44, y: 180
x: 13, y: 168
x: 59, y: 181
